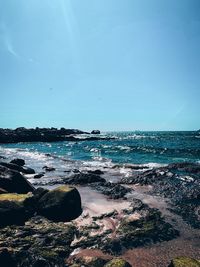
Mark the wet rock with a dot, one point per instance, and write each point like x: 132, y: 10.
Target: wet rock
x: 184, y: 262
x: 19, y: 162
x: 134, y: 231
x: 60, y: 204
x: 137, y: 226
x: 22, y: 134
x: 39, y: 175
x: 117, y: 262
x: 114, y: 191
x: 38, y: 243
x: 15, y: 167
x: 95, y: 132
x: 48, y: 169
x: 12, y: 209
x: 98, y: 172
x: 84, y: 179
x: 179, y: 182
x: 14, y: 182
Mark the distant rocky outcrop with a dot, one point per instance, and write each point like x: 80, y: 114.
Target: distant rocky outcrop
x: 95, y: 132
x: 22, y: 134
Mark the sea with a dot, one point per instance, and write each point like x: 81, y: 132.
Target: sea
x: 124, y: 150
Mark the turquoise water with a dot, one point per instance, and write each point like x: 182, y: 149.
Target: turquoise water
x: 128, y: 147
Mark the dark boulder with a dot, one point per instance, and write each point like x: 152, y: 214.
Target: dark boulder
x: 39, y: 175
x: 19, y: 162
x: 12, y: 210
x: 48, y: 169
x: 95, y: 132
x: 84, y: 179
x: 15, y: 167
x: 98, y: 172
x: 60, y: 204
x: 113, y: 190
x: 14, y: 182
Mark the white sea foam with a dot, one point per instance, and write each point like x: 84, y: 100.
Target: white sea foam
x: 154, y: 165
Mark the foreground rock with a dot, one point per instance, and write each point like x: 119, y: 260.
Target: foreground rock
x: 112, y: 190
x: 180, y: 182
x: 91, y: 261
x: 84, y: 179
x: 13, y: 181
x: 60, y: 204
x: 15, y: 167
x: 134, y: 227
x: 12, y: 209
x: 117, y: 263
x: 19, y: 162
x: 184, y: 262
x: 38, y: 243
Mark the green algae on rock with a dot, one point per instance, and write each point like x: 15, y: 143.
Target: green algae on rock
x: 184, y: 262
x: 117, y: 262
x: 38, y: 241
x: 60, y: 204
x: 12, y: 209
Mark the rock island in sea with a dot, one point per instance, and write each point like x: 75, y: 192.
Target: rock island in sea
x: 118, y: 199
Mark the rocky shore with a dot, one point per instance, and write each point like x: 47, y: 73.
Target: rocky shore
x: 22, y: 134
x: 61, y: 226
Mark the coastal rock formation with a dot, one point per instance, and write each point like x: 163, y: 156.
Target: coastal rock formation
x: 84, y: 179
x: 48, y: 169
x: 95, y: 132
x: 15, y: 167
x: 60, y: 204
x: 12, y: 209
x: 179, y: 182
x: 22, y: 134
x: 112, y: 190
x: 92, y: 261
x: 136, y: 226
x: 38, y: 243
x: 19, y: 162
x: 13, y: 181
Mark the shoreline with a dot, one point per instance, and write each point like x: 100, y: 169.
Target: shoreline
x: 143, y: 213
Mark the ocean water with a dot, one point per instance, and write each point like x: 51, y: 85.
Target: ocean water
x: 147, y: 148
x: 114, y: 157
x: 128, y: 147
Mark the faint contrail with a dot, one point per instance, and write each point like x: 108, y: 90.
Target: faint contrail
x: 7, y: 40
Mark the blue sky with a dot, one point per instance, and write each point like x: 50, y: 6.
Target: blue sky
x: 105, y: 64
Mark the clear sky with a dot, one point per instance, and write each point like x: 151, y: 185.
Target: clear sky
x: 105, y: 64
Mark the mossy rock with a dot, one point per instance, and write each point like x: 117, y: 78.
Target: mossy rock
x: 149, y: 229
x: 38, y: 243
x: 117, y: 262
x: 184, y: 262
x: 60, y: 204
x: 12, y: 209
x: 136, y: 232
